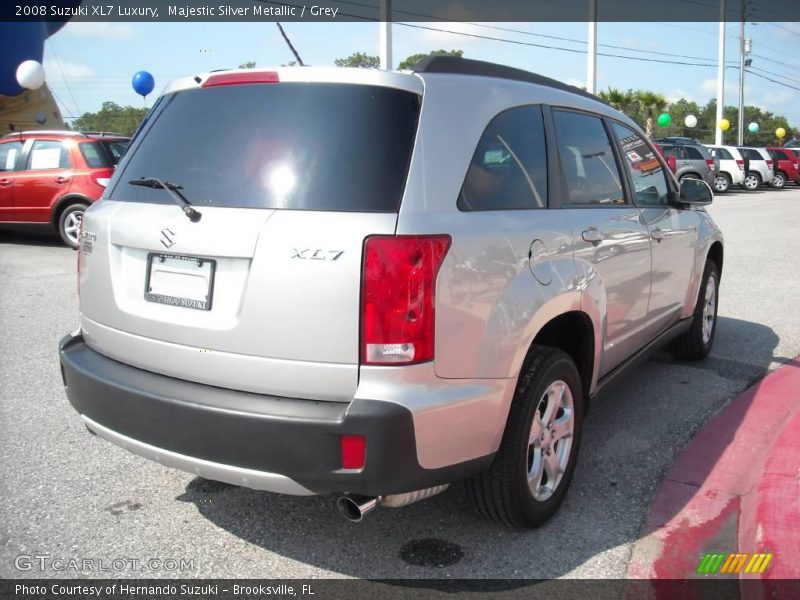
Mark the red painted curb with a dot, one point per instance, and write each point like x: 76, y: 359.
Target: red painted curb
x: 735, y: 488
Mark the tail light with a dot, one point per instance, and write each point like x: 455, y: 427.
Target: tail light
x: 740, y: 164
x: 710, y: 163
x: 78, y: 270
x: 397, y: 297
x: 102, y: 177
x: 769, y: 164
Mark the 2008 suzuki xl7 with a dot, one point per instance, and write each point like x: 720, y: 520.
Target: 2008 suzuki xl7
x: 314, y: 280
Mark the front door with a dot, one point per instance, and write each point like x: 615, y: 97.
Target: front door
x: 673, y: 232
x: 612, y: 242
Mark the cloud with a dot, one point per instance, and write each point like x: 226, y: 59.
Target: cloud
x: 448, y: 40
x: 57, y: 70
x: 675, y: 95
x: 709, y: 88
x: 109, y: 31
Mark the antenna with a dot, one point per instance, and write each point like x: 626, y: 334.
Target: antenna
x: 289, y: 43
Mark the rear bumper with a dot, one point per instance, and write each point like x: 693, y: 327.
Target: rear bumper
x: 284, y: 445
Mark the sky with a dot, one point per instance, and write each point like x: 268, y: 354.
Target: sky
x: 89, y: 63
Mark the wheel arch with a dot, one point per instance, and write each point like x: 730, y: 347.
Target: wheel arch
x: 573, y: 333
x: 64, y: 202
x: 715, y: 255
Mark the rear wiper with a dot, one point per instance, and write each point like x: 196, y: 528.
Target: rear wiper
x: 180, y: 200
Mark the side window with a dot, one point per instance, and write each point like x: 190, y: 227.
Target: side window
x: 509, y: 167
x: 94, y: 155
x: 693, y: 153
x: 649, y: 181
x: 590, y: 170
x: 670, y: 151
x: 9, y: 153
x: 721, y: 153
x: 48, y: 154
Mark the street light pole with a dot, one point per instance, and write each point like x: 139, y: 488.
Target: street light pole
x: 591, y: 61
x: 718, y: 133
x: 385, y: 35
x: 740, y: 132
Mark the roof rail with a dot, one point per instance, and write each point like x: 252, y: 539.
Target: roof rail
x: 467, y: 66
x: 104, y: 133
x: 46, y: 132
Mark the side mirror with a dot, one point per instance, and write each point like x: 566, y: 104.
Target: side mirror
x: 695, y: 192
x: 672, y: 163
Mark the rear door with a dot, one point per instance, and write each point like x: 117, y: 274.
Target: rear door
x: 263, y: 292
x: 46, y: 177
x: 10, y: 153
x: 611, y: 238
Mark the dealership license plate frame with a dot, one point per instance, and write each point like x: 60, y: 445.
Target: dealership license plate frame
x: 169, y: 300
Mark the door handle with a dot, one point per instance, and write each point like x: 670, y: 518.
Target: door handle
x: 593, y: 235
x: 62, y: 179
x: 5, y: 182
x: 657, y: 234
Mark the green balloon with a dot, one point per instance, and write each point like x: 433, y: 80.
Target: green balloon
x: 664, y: 120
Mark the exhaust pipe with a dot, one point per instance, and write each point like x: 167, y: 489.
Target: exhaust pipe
x: 354, y: 507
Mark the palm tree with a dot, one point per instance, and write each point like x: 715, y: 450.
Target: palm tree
x: 650, y: 103
x: 622, y: 101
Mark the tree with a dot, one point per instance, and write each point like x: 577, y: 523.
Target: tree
x: 359, y: 59
x: 250, y: 64
x: 291, y: 63
x: 622, y: 101
x: 111, y: 117
x: 650, y: 103
x: 415, y: 58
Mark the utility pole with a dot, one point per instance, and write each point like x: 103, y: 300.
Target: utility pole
x: 591, y: 61
x: 385, y: 35
x: 718, y: 133
x: 740, y: 132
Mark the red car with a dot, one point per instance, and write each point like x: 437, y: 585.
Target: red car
x: 787, y: 166
x: 50, y: 177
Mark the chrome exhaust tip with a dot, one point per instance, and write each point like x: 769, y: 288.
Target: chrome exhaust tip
x: 355, y: 508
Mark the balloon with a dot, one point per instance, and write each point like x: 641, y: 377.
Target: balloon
x: 780, y: 132
x: 20, y: 42
x: 724, y: 125
x: 41, y: 118
x: 664, y: 120
x: 143, y: 83
x: 753, y: 128
x: 30, y: 74
x: 690, y: 121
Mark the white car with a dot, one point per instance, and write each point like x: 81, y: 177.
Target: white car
x: 758, y: 167
x: 731, y: 167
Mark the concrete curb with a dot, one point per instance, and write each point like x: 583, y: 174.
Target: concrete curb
x: 735, y: 488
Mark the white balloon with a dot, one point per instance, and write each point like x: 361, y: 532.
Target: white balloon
x: 30, y: 74
x: 690, y: 121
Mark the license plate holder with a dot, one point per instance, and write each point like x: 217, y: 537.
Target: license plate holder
x: 179, y: 280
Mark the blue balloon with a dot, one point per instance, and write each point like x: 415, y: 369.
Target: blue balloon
x: 143, y: 83
x: 41, y: 118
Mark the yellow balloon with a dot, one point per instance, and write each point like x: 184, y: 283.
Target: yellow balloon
x: 724, y: 124
x: 780, y: 132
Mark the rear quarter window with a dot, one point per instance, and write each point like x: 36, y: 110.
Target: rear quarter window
x: 94, y: 155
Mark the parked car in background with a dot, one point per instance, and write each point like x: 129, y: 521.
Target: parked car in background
x: 438, y: 353
x: 786, y: 166
x: 792, y: 143
x: 51, y: 177
x: 692, y: 161
x: 678, y: 141
x: 757, y: 167
x: 671, y: 161
x: 731, y: 167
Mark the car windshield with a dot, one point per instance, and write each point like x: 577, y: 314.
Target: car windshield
x: 300, y: 146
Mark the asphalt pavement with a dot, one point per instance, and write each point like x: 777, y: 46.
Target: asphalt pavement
x: 67, y: 495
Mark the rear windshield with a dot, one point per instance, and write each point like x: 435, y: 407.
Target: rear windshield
x: 115, y: 149
x: 301, y: 146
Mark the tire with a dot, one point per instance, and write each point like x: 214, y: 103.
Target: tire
x: 69, y: 224
x: 548, y: 380
x: 688, y: 176
x: 696, y: 343
x: 722, y: 183
x: 752, y: 181
x: 779, y: 181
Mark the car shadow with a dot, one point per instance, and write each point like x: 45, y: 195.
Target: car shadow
x: 38, y: 235
x: 631, y: 437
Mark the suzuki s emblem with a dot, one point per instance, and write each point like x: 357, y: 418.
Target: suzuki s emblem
x: 167, y: 238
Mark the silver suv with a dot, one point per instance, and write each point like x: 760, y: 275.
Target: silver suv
x: 375, y: 284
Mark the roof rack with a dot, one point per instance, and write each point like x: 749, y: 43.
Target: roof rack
x: 104, y: 133
x: 467, y: 66
x: 45, y: 132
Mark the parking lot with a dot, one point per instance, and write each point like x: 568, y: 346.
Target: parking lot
x: 69, y: 495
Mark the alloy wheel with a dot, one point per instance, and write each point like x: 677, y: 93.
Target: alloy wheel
x: 709, y: 308
x: 550, y: 440
x: 72, y: 226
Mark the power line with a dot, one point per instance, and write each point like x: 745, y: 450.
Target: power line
x: 60, y: 70
x: 775, y: 74
x: 774, y: 81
